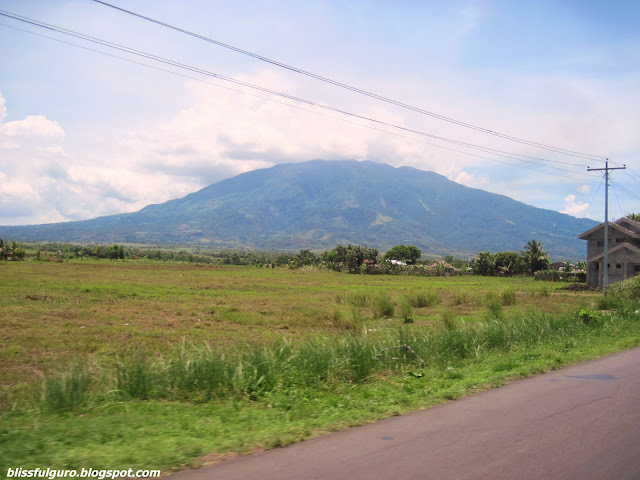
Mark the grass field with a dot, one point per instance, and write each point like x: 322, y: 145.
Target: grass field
x: 153, y: 365
x: 51, y: 313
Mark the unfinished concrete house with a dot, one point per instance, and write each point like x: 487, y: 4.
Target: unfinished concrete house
x: 624, y: 251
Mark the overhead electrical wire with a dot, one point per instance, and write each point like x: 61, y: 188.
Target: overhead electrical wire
x: 514, y: 156
x: 362, y: 91
x: 635, y: 176
x: 628, y: 192
x: 291, y: 105
x: 615, y: 192
x: 283, y: 103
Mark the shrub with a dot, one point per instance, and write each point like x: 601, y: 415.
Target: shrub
x: 627, y: 290
x: 586, y: 316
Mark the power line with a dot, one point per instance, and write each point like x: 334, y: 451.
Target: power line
x: 361, y: 91
x: 613, y: 185
x: 288, y: 104
x: 514, y: 156
x: 635, y: 176
x: 628, y: 192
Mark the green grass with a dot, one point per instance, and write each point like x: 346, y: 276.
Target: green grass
x: 51, y: 314
x: 171, y: 434
x: 217, y: 360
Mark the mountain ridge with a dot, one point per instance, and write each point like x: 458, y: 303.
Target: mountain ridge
x: 320, y: 204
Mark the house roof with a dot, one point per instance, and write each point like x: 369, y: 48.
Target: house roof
x: 446, y: 265
x: 615, y: 249
x: 633, y: 223
x: 615, y: 225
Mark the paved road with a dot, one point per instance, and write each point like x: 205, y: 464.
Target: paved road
x: 581, y: 423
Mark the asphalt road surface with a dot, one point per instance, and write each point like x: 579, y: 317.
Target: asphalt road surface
x: 581, y: 422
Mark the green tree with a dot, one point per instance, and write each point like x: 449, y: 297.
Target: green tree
x: 509, y: 263
x: 354, y: 258
x: 634, y: 216
x: 306, y: 257
x: 11, y: 251
x: 484, y: 264
x: 351, y: 257
x: 534, y: 257
x: 112, y: 252
x: 405, y: 253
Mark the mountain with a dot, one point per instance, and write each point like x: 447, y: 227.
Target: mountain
x: 320, y: 204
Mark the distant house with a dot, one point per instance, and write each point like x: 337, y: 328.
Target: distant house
x: 398, y: 262
x: 443, y: 268
x: 623, y: 255
x: 559, y: 266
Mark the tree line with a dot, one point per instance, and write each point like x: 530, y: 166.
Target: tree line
x: 530, y: 260
x: 348, y: 258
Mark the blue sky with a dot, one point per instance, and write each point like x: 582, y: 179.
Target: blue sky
x: 84, y: 135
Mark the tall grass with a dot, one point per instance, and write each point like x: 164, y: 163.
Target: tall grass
x: 508, y: 297
x: 200, y: 373
x: 406, y: 309
x: 382, y: 305
x: 494, y: 305
x: 346, y: 318
x: 422, y: 298
x: 67, y: 391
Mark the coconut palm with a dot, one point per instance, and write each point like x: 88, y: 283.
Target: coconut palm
x: 534, y: 257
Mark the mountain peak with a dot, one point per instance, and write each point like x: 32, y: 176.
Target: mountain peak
x: 322, y: 203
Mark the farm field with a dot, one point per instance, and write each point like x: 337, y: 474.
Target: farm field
x: 110, y: 364
x: 53, y: 313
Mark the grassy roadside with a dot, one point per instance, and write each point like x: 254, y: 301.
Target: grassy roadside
x: 175, y: 426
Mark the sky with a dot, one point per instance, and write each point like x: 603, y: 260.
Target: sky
x: 84, y: 134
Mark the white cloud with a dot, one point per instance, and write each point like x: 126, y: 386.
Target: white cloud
x: 470, y: 180
x: 35, y: 129
x: 584, y: 189
x: 571, y: 207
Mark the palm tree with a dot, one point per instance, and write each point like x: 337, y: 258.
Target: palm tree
x: 534, y: 257
x: 569, y: 268
x: 634, y: 216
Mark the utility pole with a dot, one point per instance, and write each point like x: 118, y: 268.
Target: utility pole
x: 606, y: 170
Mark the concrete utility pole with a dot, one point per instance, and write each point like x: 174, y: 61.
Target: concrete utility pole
x: 606, y: 169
